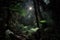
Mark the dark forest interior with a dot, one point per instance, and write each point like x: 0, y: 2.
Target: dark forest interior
x: 29, y: 20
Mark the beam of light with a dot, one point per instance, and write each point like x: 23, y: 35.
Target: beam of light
x: 29, y: 16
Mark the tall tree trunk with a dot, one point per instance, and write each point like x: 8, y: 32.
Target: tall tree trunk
x: 36, y: 12
x: 3, y: 19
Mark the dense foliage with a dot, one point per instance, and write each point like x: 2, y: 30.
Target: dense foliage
x: 29, y: 20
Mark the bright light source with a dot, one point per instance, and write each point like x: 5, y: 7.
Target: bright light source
x: 30, y: 8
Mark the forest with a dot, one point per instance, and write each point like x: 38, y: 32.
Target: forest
x: 29, y: 20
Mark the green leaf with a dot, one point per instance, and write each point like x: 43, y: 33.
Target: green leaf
x: 43, y: 21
